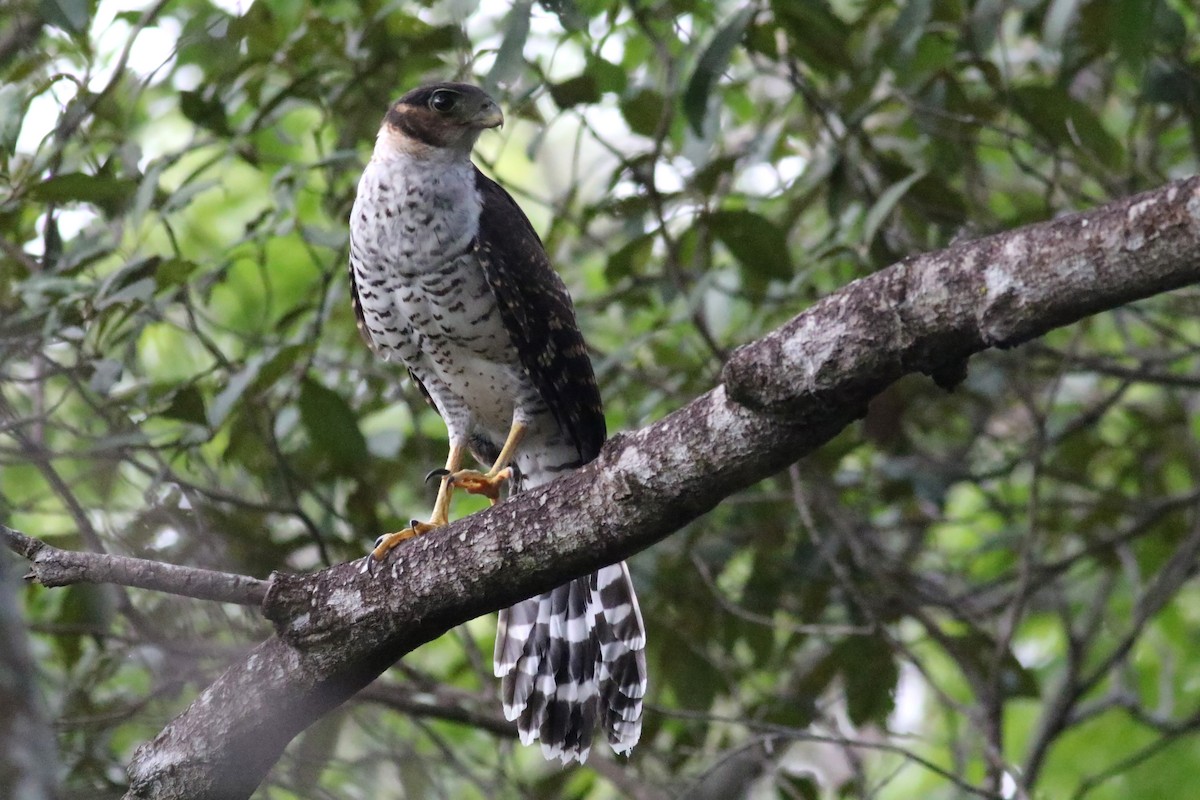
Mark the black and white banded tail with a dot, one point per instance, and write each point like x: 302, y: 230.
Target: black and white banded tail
x: 571, y: 658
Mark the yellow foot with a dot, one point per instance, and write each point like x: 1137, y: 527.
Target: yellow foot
x: 390, y: 541
x: 484, y: 483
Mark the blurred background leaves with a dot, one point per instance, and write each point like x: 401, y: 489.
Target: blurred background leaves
x: 984, y: 592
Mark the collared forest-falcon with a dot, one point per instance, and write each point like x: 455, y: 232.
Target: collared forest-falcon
x: 449, y: 278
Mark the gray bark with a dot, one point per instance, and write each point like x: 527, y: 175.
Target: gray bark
x: 51, y: 566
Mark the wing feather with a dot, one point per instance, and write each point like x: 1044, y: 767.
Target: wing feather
x: 540, y: 319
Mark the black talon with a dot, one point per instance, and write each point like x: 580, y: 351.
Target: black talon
x: 436, y: 473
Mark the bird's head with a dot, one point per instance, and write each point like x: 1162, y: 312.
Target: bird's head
x: 445, y: 116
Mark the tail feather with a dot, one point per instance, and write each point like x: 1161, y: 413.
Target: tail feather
x: 571, y: 657
x: 622, y: 639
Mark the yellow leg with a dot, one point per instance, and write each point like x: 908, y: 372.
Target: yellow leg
x: 488, y: 483
x: 441, y: 510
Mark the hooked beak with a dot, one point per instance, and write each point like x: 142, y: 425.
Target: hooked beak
x: 489, y: 116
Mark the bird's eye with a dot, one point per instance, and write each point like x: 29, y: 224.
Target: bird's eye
x: 442, y: 100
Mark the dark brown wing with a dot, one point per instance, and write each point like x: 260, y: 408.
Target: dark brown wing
x: 540, y: 319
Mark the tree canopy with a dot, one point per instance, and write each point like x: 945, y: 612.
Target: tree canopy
x: 982, y: 589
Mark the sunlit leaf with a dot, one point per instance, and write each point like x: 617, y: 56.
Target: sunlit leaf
x: 510, y: 56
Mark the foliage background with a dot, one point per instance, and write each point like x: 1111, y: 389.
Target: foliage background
x: 978, y: 592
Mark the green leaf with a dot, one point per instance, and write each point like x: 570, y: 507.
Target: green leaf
x: 314, y: 749
x: 187, y: 405
x: 1061, y: 17
x: 712, y: 63
x: 1174, y: 85
x: 984, y: 22
x: 173, y: 272
x: 134, y: 294
x: 977, y: 652
x: 102, y: 190
x: 88, y: 608
x: 511, y: 55
x: 260, y: 372
x: 909, y: 28
x: 693, y: 678
x: 105, y: 373
x: 708, y: 178
x: 70, y: 15
x: 580, y: 90
x: 791, y: 787
x: 808, y: 685
x: 608, y: 76
x: 260, y: 31
x: 568, y: 12
x: 818, y: 36
x: 277, y: 366
x: 233, y: 391
x: 12, y: 117
x: 755, y: 241
x: 643, y: 110
x: 332, y: 427
x: 133, y: 271
x: 1067, y: 122
x: 870, y: 674
x: 1133, y: 31
x: 1170, y: 31
x: 207, y: 112
x: 630, y: 259
x: 886, y: 202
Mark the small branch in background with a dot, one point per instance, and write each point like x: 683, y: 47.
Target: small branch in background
x: 51, y: 566
x: 454, y: 706
x: 437, y: 704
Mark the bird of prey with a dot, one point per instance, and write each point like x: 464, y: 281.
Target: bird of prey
x: 449, y: 278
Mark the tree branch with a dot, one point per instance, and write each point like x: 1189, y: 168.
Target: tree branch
x: 783, y: 397
x: 438, y: 705
x: 52, y: 567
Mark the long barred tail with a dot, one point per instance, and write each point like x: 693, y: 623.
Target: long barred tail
x: 573, y: 657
